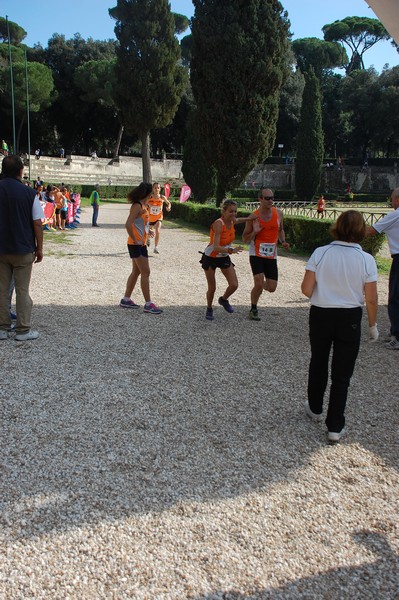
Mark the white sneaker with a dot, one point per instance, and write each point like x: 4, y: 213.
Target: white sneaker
x: 393, y: 344
x: 156, y: 251
x: 312, y: 415
x: 3, y: 334
x: 334, y: 436
x: 24, y: 337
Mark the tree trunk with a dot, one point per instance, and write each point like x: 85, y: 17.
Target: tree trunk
x: 118, y: 141
x: 220, y: 192
x: 145, y: 156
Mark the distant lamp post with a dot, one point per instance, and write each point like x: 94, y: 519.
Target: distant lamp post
x: 27, y: 109
x: 14, y: 148
x: 280, y: 147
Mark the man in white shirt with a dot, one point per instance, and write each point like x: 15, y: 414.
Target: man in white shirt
x: 390, y: 226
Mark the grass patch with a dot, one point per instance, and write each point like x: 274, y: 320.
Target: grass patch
x: 383, y: 264
x: 58, y: 237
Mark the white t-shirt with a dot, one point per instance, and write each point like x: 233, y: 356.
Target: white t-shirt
x: 390, y: 226
x: 37, y: 210
x: 342, y: 269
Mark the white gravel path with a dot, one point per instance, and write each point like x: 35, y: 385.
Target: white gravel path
x: 167, y: 457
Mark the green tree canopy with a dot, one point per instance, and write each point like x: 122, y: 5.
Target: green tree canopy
x: 319, y: 54
x: 150, y: 80
x: 17, y: 33
x: 290, y: 110
x: 41, y: 90
x: 237, y: 68
x: 359, y: 34
x: 310, y: 146
x: 182, y: 23
x: 76, y: 119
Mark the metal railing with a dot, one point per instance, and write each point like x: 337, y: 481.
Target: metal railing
x: 307, y: 209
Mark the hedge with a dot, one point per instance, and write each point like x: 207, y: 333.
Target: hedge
x: 303, y: 234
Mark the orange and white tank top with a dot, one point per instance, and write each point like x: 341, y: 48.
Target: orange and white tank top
x: 227, y: 236
x: 155, y: 206
x: 140, y: 228
x: 265, y: 242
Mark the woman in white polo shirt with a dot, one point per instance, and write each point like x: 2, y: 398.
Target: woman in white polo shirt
x: 337, y: 279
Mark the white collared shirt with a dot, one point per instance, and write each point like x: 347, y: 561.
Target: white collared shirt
x: 390, y: 226
x: 342, y: 269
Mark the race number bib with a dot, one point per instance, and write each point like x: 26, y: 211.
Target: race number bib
x: 267, y: 250
x: 155, y: 210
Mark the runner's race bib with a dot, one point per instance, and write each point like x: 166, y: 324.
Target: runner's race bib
x: 267, y: 250
x: 155, y: 210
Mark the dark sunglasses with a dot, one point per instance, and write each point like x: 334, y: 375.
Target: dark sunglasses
x: 268, y: 197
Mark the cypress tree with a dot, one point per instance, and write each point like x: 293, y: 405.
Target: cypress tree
x: 310, y: 140
x: 237, y: 68
x: 199, y: 175
x: 150, y: 79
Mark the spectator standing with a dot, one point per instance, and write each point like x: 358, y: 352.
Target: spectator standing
x: 62, y: 153
x: 4, y: 148
x: 321, y: 207
x: 337, y: 278
x: 95, y: 202
x: 38, y: 153
x: 21, y: 244
x: 390, y: 226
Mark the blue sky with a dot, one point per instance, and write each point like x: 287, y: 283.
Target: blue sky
x: 90, y: 18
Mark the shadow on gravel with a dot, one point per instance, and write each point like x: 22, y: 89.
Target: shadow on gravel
x: 378, y: 579
x: 112, y: 412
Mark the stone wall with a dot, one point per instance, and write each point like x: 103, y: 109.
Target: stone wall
x: 371, y: 179
x: 128, y: 171
x: 84, y: 170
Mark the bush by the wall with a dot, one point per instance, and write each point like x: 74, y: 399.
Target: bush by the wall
x: 302, y: 233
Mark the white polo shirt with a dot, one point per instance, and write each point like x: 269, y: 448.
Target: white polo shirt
x: 342, y: 269
x: 390, y: 226
x: 37, y: 211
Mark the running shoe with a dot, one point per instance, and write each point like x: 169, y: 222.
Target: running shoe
x: 209, y: 314
x: 333, y: 437
x: 25, y: 337
x: 128, y: 304
x: 226, y: 305
x: 150, y: 307
x: 393, y: 344
x: 318, y: 417
x: 156, y: 251
x: 253, y: 315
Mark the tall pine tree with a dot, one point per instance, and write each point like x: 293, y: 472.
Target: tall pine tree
x: 237, y: 68
x: 310, y: 140
x: 150, y: 79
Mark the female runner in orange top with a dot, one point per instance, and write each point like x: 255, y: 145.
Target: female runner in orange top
x: 137, y: 226
x: 155, y: 205
x: 217, y: 255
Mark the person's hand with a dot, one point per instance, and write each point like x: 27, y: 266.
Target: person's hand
x: 38, y: 256
x: 257, y: 227
x: 151, y: 233
x: 169, y: 207
x: 285, y: 245
x: 374, y: 334
x: 236, y: 249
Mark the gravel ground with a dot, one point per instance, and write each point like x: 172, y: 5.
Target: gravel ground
x: 167, y: 457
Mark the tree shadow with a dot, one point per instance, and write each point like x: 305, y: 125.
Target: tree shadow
x: 371, y: 580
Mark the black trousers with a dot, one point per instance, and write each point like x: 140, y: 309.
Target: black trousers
x: 339, y: 328
x: 393, y: 300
